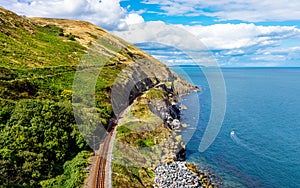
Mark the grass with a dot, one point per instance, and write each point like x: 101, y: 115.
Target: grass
x: 42, y: 48
x: 141, y: 110
x: 137, y: 147
x: 145, y: 142
x: 146, y: 136
x: 38, y: 63
x: 156, y: 93
x: 141, y: 127
x: 108, y: 45
x: 134, y: 177
x: 123, y: 130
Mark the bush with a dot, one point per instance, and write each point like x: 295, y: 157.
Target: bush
x: 36, y: 141
x: 74, y: 173
x: 145, y: 142
x: 123, y: 130
x: 71, y: 37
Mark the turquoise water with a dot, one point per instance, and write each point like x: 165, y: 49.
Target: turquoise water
x: 263, y: 108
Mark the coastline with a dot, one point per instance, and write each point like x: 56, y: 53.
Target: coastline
x: 166, y: 158
x: 179, y: 172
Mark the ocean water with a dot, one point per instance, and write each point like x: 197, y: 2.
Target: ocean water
x: 263, y: 109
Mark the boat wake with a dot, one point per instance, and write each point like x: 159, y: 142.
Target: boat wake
x: 239, y: 141
x: 250, y: 148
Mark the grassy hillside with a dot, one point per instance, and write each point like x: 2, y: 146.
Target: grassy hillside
x: 136, y: 153
x: 38, y: 132
x: 40, y: 145
x: 25, y: 44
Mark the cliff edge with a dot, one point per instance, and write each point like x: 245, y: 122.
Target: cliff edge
x: 41, y: 145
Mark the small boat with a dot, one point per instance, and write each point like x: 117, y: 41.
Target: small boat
x: 232, y: 133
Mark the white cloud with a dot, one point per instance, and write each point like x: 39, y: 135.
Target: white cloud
x: 236, y: 36
x: 291, y: 53
x: 170, y: 36
x: 106, y: 13
x: 231, y: 44
x: 250, y: 10
x: 216, y: 37
x: 159, y: 31
x: 133, y: 19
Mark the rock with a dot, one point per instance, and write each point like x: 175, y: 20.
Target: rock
x: 174, y: 111
x: 175, y: 124
x: 184, y: 125
x: 178, y: 138
x: 181, y: 88
x: 181, y: 154
x: 173, y: 172
x: 177, y: 174
x: 183, y: 107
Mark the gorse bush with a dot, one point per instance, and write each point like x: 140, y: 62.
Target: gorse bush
x: 38, y: 131
x: 72, y: 176
x: 71, y: 37
x: 38, y: 138
x: 40, y: 144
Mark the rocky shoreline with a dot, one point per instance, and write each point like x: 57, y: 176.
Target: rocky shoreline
x: 177, y: 174
x: 174, y: 171
x: 162, y: 152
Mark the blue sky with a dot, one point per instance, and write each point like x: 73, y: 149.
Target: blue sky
x: 237, y: 33
x: 155, y: 11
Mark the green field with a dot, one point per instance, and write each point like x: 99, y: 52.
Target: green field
x: 40, y: 145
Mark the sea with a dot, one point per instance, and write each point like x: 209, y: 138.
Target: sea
x: 258, y: 144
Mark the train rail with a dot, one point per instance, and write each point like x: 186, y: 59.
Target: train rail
x: 100, y: 173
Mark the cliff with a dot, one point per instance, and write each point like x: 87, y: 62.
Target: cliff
x: 40, y: 142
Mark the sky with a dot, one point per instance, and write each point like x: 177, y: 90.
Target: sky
x: 236, y: 33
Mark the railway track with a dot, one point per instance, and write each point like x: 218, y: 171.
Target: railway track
x: 100, y: 172
x: 101, y: 162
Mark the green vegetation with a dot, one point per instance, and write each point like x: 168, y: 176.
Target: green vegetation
x: 39, y: 47
x: 92, y: 35
x: 70, y: 36
x: 123, y: 130
x: 134, y: 177
x: 40, y: 145
x: 38, y: 130
x: 156, y: 93
x: 143, y: 134
x: 73, y: 175
x: 145, y: 142
x: 141, y: 110
x: 135, y: 153
x: 38, y: 137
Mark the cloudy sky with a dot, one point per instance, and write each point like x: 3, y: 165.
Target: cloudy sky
x: 237, y: 33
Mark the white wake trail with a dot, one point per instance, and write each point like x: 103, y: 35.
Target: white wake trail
x: 250, y: 148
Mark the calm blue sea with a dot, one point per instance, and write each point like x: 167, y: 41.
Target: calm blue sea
x: 263, y: 108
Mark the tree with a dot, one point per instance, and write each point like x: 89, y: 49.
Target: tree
x: 36, y: 141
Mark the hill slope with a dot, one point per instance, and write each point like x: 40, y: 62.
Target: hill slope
x: 40, y: 144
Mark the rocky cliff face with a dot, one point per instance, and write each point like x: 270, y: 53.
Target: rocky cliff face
x: 46, y: 53
x: 147, y: 136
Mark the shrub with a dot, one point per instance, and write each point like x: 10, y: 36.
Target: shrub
x: 71, y: 37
